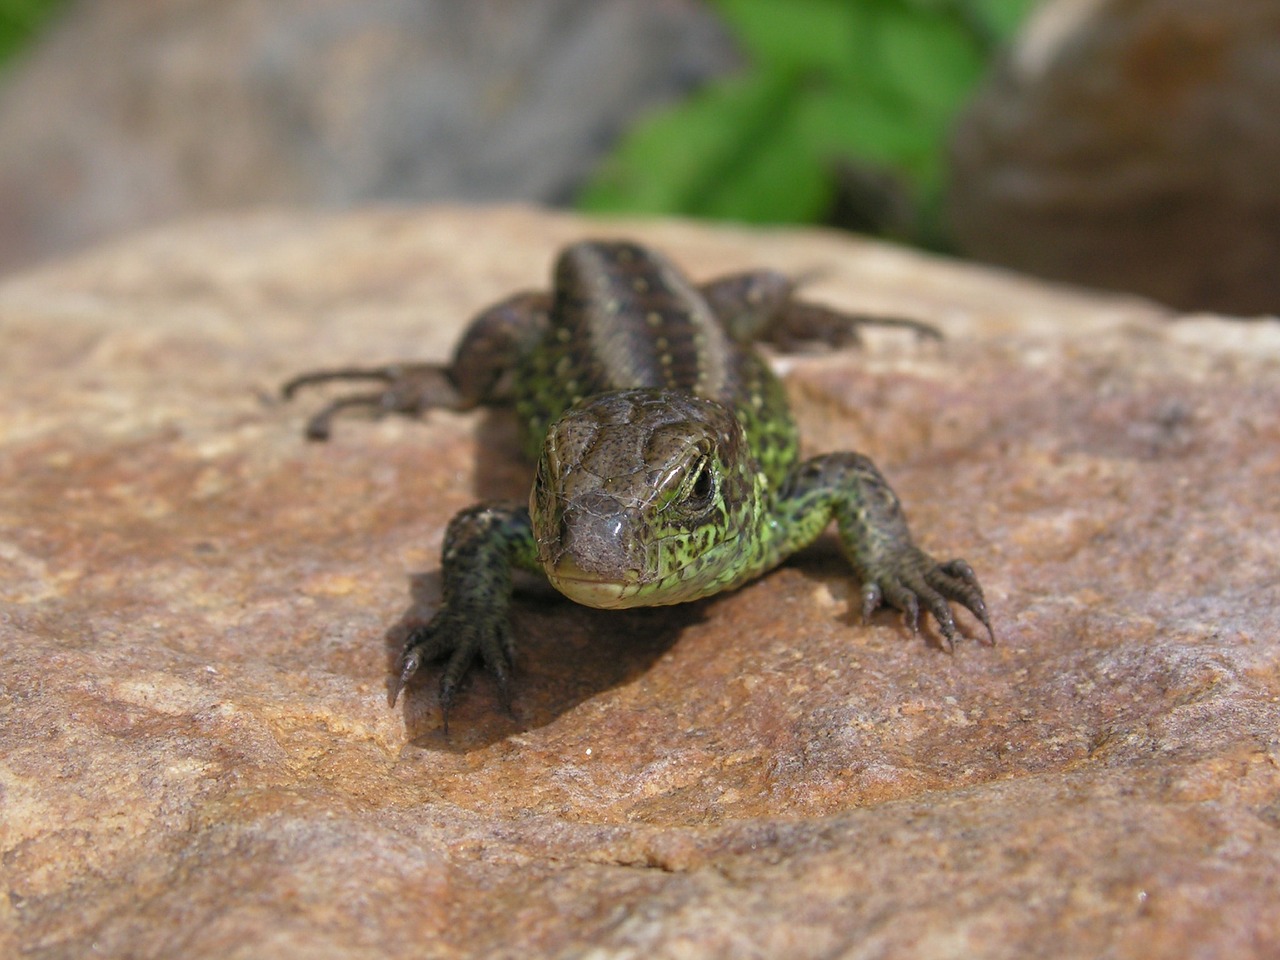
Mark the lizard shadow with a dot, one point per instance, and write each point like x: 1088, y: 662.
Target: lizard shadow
x: 565, y: 653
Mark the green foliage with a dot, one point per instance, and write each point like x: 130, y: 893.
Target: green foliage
x: 20, y: 20
x: 864, y: 85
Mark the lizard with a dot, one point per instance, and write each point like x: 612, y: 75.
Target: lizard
x: 668, y: 463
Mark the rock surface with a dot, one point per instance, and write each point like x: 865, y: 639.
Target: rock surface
x: 197, y: 757
x: 1132, y: 144
x: 136, y: 111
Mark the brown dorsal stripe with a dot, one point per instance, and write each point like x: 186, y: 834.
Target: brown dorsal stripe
x: 639, y: 322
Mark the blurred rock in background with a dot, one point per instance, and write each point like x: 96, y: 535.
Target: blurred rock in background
x: 1127, y: 144
x: 135, y: 111
x: 1132, y: 144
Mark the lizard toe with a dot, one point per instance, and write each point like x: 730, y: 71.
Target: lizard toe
x: 872, y: 598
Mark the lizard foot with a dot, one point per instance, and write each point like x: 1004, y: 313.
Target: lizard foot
x: 459, y: 634
x: 804, y: 324
x: 916, y: 580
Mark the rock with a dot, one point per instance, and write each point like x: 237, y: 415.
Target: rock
x: 1131, y: 144
x: 138, y: 111
x: 201, y: 609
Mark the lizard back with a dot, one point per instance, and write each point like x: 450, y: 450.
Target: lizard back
x: 623, y: 318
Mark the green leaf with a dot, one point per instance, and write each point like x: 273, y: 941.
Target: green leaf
x: 1002, y: 17
x: 676, y: 160
x: 794, y: 35
x: 869, y: 83
x: 20, y: 20
x: 930, y: 63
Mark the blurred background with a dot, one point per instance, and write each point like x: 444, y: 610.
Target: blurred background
x: 1125, y: 144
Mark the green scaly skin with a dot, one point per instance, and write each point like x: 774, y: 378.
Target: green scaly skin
x: 668, y: 462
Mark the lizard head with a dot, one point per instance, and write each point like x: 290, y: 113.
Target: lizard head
x: 641, y: 497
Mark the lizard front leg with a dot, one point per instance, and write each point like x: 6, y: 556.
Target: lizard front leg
x: 873, y: 532
x: 481, y: 372
x: 481, y: 547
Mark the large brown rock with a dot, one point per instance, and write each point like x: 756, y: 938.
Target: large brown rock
x: 197, y: 757
x: 1132, y: 144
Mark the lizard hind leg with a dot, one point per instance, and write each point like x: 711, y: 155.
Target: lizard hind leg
x: 762, y: 306
x: 483, y: 362
x: 408, y: 388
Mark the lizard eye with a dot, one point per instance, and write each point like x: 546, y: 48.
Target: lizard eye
x: 704, y: 481
x: 541, y: 498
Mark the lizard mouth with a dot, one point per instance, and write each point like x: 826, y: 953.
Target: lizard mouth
x: 591, y: 589
x: 631, y: 588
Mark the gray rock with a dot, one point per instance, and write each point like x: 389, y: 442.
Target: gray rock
x: 136, y: 111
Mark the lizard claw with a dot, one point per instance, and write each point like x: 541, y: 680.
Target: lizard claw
x: 969, y: 594
x: 872, y: 597
x: 409, y: 663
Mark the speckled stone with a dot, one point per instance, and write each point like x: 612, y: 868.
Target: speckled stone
x: 200, y: 611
